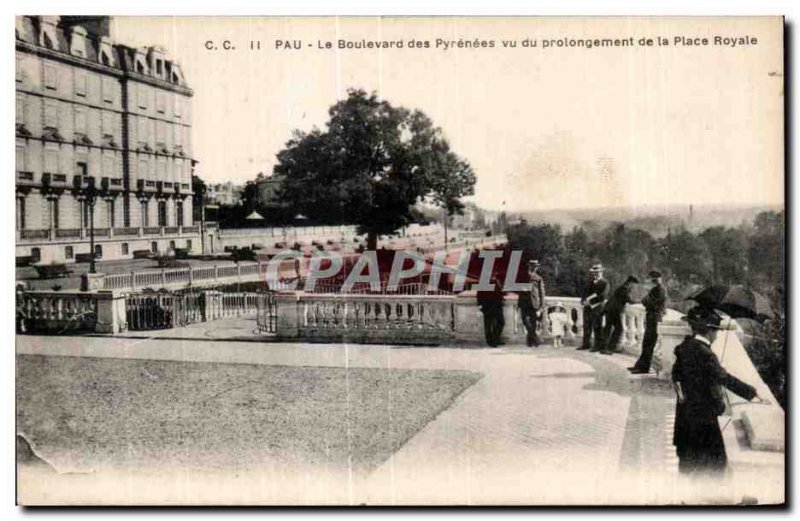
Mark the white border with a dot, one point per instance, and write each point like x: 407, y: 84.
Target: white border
x: 788, y: 8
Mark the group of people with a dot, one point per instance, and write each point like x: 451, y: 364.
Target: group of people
x: 697, y: 374
x: 602, y: 313
x: 599, y: 307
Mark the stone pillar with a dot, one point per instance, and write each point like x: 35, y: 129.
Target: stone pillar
x: 111, y: 315
x: 288, y: 306
x: 468, y: 319
x: 212, y: 301
x: 92, y: 281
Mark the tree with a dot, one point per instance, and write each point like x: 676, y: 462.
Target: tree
x: 728, y: 249
x: 370, y: 165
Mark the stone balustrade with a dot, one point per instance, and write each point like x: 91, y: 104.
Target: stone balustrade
x: 67, y: 312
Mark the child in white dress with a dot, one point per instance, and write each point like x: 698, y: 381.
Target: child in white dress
x: 559, y: 323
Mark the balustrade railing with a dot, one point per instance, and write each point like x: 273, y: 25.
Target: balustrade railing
x: 57, y: 313
x: 376, y: 318
x: 68, y: 233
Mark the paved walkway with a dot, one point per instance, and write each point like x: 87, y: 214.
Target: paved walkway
x: 543, y: 426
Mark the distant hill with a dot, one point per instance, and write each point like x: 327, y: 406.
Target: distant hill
x: 656, y: 220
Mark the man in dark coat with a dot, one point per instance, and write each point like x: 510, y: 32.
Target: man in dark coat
x: 491, y: 304
x: 613, y: 313
x: 594, y: 298
x: 698, y: 378
x: 655, y: 303
x: 531, y: 303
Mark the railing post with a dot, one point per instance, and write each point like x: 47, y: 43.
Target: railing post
x: 163, y: 277
x: 133, y: 280
x: 215, y: 272
x: 191, y: 274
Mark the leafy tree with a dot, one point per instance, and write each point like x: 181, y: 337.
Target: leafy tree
x: 728, y: 250
x: 370, y: 165
x: 766, y: 251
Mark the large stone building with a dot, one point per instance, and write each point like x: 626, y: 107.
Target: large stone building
x: 93, y: 112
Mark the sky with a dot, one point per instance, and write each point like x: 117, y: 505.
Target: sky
x: 543, y: 128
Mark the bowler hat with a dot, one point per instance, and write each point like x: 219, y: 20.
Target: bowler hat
x: 632, y: 278
x: 596, y: 268
x: 703, y: 315
x: 533, y: 263
x: 654, y: 274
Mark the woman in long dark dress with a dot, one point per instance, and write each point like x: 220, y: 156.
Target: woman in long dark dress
x: 699, y: 378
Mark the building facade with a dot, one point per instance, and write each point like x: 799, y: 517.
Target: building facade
x: 99, y: 126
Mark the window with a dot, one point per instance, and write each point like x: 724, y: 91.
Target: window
x: 160, y: 132
x: 50, y: 77
x: 126, y: 212
x: 145, y: 214
x: 108, y: 123
x: 104, y: 58
x: 68, y: 252
x: 85, y: 208
x: 144, y: 96
x: 51, y: 160
x: 80, y: 84
x: 98, y: 251
x: 36, y: 253
x: 80, y: 121
x: 81, y: 168
x: 20, y: 108
x: 159, y: 68
x: 179, y: 213
x: 124, y: 247
x: 21, y: 213
x: 108, y: 165
x: 154, y: 247
x: 21, y: 166
x: 172, y: 245
x: 50, y: 114
x: 144, y: 130
x: 144, y: 169
x: 111, y: 211
x: 108, y: 90
x: 162, y: 213
x: 56, y: 216
x: 189, y: 244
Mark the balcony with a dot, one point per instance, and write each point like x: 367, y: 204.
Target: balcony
x: 126, y: 232
x: 68, y: 233
x: 146, y: 186
x: 111, y: 184
x: 151, y: 230
x: 25, y: 178
x: 34, y: 235
x: 54, y: 180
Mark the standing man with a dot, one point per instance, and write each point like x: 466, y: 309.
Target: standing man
x: 593, y: 301
x: 613, y: 313
x: 655, y: 305
x: 491, y: 304
x: 698, y: 378
x: 531, y: 303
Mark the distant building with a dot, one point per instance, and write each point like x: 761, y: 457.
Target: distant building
x: 268, y: 192
x: 223, y: 194
x: 89, y: 108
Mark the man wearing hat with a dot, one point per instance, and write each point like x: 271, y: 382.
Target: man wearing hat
x: 531, y: 303
x: 698, y: 378
x: 655, y: 306
x: 613, y: 313
x: 593, y: 301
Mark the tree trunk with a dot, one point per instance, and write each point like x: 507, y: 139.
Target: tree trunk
x: 372, y: 240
